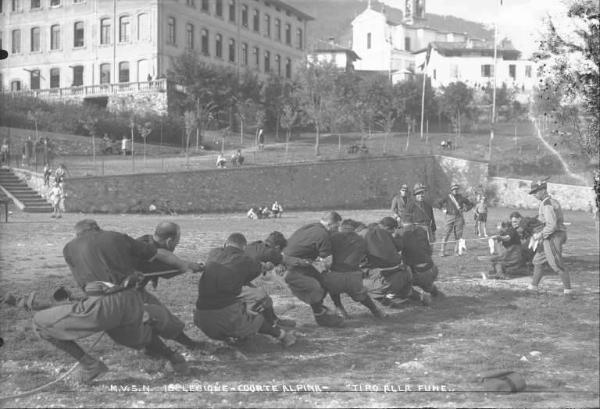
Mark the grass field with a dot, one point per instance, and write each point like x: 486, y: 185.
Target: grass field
x: 512, y: 142
x: 480, y: 325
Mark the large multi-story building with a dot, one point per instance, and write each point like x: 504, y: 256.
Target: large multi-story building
x: 64, y: 44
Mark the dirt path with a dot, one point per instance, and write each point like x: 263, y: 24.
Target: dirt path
x: 437, y: 351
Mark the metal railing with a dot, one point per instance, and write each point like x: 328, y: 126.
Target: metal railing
x: 100, y: 90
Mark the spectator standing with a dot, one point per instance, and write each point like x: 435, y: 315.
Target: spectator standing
x: 59, y: 175
x: 57, y: 198
x: 28, y: 150
x: 124, y: 145
x: 453, y: 206
x: 399, y: 203
x: 277, y: 209
x: 47, y: 174
x: 4, y: 152
x: 480, y: 216
x: 260, y: 137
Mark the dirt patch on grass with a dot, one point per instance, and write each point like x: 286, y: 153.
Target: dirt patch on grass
x: 419, y: 356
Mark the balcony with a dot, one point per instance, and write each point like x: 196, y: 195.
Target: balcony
x: 93, y: 91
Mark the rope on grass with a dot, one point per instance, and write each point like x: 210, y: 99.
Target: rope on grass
x: 60, y: 378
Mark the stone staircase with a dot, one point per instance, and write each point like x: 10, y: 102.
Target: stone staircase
x: 30, y: 199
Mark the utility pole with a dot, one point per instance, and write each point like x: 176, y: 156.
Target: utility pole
x: 493, y: 121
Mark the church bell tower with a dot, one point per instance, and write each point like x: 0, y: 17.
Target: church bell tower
x: 414, y: 11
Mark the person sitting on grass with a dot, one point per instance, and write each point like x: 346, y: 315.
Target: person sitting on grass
x: 222, y: 311
x: 525, y: 227
x: 416, y: 254
x: 510, y: 262
x: 253, y: 213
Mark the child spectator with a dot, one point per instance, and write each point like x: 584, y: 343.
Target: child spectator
x: 59, y: 175
x: 480, y: 216
x: 221, y: 161
x: 57, y: 198
x: 277, y: 209
x: 47, y: 173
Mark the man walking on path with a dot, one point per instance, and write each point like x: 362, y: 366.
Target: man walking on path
x: 550, y: 239
x: 453, y: 206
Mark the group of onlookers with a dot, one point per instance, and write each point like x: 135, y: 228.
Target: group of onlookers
x: 259, y: 212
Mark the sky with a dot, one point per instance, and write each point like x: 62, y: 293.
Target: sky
x: 519, y: 20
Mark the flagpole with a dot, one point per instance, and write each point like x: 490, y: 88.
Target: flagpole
x: 493, y: 121
x: 427, y: 55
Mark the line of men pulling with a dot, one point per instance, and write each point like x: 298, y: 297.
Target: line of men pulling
x: 113, y: 269
x: 333, y: 256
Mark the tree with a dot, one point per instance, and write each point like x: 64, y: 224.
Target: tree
x: 569, y: 61
x: 316, y: 82
x: 191, y: 121
x: 456, y: 100
x: 91, y: 126
x: 144, y: 130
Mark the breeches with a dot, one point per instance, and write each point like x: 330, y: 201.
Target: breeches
x: 425, y: 279
x: 306, y: 288
x: 167, y: 325
x: 454, y: 224
x: 349, y: 282
x: 121, y: 315
x: 379, y: 283
x: 551, y: 254
x: 233, y: 321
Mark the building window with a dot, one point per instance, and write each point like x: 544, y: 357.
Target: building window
x: 78, y: 34
x: 245, y: 16
x: 277, y: 29
x: 256, y: 54
x: 189, y: 40
x: 124, y: 71
x: 300, y: 37
x: 288, y: 34
x: 278, y: 64
x: 244, y: 54
x: 454, y: 71
x: 1, y: 11
x: 487, y: 70
x: 267, y: 25
x: 171, y: 31
x: 15, y: 85
x: 232, y: 11
x: 219, y: 46
x: 528, y: 71
x: 124, y: 29
x: 55, y: 37
x: 288, y: 68
x: 34, y: 79
x: 104, y: 73
x: 267, y: 61
x: 105, y: 31
x: 231, y: 50
x: 191, y: 3
x: 16, y: 41
x: 143, y: 28
x: 205, y: 6
x: 369, y: 40
x: 16, y: 6
x: 54, y: 3
x: 205, y: 42
x: 512, y: 71
x: 407, y: 43
x: 78, y: 75
x: 54, y: 78
x: 35, y: 39
x: 256, y: 21
x: 35, y: 4
x: 219, y: 8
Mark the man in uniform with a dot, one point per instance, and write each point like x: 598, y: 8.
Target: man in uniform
x: 269, y: 253
x: 312, y: 244
x: 399, y: 203
x: 345, y: 276
x: 420, y: 213
x: 222, y: 311
x: 551, y: 238
x: 103, y: 264
x: 388, y: 280
x: 454, y: 205
x: 166, y: 236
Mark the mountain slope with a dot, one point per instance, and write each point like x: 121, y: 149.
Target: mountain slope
x: 333, y: 18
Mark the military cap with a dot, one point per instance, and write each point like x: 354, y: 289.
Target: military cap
x: 419, y: 187
x: 455, y: 186
x: 389, y: 222
x: 537, y: 185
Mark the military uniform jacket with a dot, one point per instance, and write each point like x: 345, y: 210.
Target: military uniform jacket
x: 420, y: 213
x: 551, y: 215
x: 447, y: 204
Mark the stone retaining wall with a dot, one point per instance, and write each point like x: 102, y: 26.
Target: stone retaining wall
x: 356, y: 183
